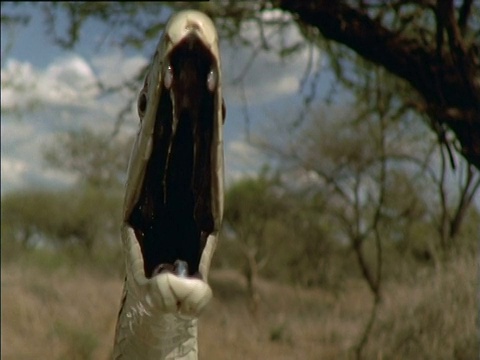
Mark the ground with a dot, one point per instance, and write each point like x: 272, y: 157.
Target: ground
x: 68, y: 312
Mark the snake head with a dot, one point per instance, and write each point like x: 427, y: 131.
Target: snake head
x: 174, y: 194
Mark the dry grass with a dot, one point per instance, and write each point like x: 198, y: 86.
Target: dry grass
x: 70, y: 313
x: 62, y: 315
x: 433, y: 317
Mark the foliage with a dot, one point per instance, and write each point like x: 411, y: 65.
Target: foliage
x: 98, y: 160
x: 79, y: 217
x: 359, y: 169
x: 251, y: 205
x: 434, y: 309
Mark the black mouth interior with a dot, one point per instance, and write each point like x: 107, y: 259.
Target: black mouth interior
x: 173, y: 217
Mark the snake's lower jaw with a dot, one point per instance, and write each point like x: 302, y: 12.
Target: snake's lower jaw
x: 173, y: 292
x: 170, y: 293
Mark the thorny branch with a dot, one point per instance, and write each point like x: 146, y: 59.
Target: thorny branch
x: 449, y: 82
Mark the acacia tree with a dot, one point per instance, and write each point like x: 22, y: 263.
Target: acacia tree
x: 98, y: 160
x: 251, y: 205
x: 369, y: 167
x: 85, y: 216
x: 433, y: 45
x: 75, y: 218
x: 452, y: 212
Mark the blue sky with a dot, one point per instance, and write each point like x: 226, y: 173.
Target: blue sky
x: 47, y: 90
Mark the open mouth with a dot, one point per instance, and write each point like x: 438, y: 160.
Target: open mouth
x: 173, y: 215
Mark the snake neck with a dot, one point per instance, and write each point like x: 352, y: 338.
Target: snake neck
x: 142, y: 334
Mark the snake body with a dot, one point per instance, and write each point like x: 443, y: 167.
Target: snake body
x: 173, y: 202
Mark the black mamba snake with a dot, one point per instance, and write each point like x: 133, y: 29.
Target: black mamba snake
x: 174, y: 195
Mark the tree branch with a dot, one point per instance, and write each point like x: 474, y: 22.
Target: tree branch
x: 435, y: 78
x: 464, y: 14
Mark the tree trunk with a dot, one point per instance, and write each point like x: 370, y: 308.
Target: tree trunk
x: 251, y: 274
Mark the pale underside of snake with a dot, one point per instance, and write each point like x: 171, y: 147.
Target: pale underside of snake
x: 174, y: 195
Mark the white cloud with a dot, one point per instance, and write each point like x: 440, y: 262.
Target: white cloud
x: 13, y: 171
x: 14, y: 78
x: 272, y: 88
x: 68, y: 80
x: 38, y: 103
x: 72, y: 70
x: 267, y: 77
x: 22, y: 164
x: 242, y: 160
x: 114, y: 68
x: 242, y: 150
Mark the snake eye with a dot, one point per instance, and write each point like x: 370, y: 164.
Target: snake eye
x: 142, y: 104
x: 212, y: 80
x: 168, y: 77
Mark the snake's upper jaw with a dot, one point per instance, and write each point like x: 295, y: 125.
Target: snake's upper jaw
x: 174, y: 197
